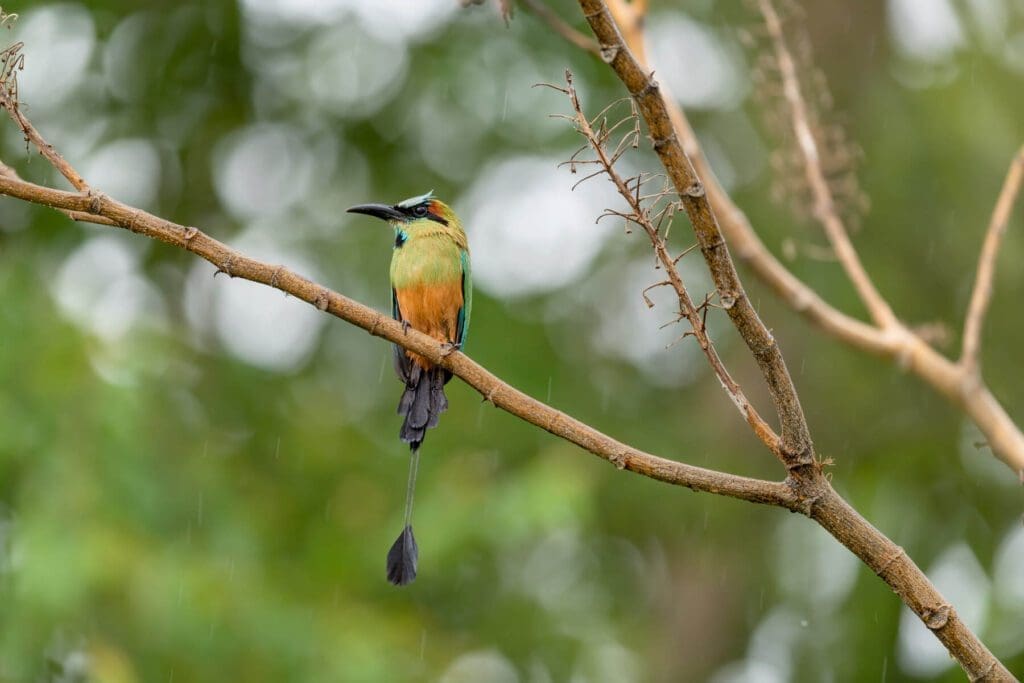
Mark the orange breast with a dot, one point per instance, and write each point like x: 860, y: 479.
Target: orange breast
x: 432, y: 309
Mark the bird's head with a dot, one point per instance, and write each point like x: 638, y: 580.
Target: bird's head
x: 410, y: 211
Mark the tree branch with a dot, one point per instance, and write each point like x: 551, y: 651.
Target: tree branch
x: 805, y: 491
x: 796, y: 448
x: 821, y: 501
x: 598, y: 140
x: 982, y: 293
x: 896, y: 342
x: 99, y: 208
x: 824, y: 204
x: 562, y: 27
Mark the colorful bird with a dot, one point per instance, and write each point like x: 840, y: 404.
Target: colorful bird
x: 431, y: 291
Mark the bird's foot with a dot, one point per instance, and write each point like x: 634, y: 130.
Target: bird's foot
x: 405, y: 327
x: 448, y: 348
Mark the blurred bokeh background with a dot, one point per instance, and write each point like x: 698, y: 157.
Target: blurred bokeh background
x: 199, y: 477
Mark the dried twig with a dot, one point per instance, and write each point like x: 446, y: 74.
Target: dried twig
x: 982, y: 293
x: 598, y: 142
x: 824, y: 204
x: 796, y: 448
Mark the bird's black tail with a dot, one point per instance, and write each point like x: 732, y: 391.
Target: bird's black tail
x: 404, y: 553
x: 422, y: 402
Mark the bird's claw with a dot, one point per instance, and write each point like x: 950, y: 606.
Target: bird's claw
x: 405, y: 327
x: 449, y: 348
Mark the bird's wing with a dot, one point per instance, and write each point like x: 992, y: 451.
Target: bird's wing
x: 467, y: 299
x: 402, y: 362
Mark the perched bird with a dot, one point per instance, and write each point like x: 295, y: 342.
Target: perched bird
x: 431, y: 291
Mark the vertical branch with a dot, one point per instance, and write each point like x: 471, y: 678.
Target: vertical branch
x: 797, y: 448
x: 982, y: 294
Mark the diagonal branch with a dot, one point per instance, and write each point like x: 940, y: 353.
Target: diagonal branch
x: 982, y: 294
x: 805, y: 491
x: 642, y: 217
x: 797, y: 451
x: 95, y: 207
x: 737, y: 228
x: 823, y: 504
x: 897, y: 342
x: 824, y: 204
x: 562, y: 27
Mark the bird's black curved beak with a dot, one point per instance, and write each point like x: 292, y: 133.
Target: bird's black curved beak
x: 382, y: 211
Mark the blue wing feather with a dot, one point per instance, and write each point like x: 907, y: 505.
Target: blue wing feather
x: 402, y: 362
x: 467, y: 299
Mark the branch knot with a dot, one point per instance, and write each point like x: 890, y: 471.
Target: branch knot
x: 609, y: 53
x: 95, y: 202
x: 695, y: 190
x: 937, y: 618
x: 650, y: 88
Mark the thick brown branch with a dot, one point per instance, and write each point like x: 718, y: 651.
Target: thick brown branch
x: 893, y: 566
x: 490, y: 387
x: 982, y: 294
x: 81, y: 216
x: 821, y: 502
x: 897, y: 342
x: 797, y: 449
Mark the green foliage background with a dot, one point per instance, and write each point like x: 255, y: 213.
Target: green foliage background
x: 174, y: 509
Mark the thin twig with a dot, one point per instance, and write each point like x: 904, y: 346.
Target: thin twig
x: 10, y: 103
x: 562, y: 27
x: 982, y: 294
x: 687, y: 309
x: 824, y: 203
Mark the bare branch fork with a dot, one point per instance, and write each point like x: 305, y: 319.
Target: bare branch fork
x: 598, y: 140
x: 805, y: 490
x: 823, y: 504
x: 959, y: 381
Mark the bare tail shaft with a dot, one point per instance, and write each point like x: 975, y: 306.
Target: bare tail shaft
x: 404, y: 553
